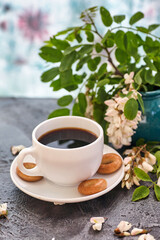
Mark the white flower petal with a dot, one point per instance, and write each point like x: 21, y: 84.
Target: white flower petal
x: 3, y: 209
x: 97, y: 220
x: 142, y: 237
x: 127, y: 160
x: 152, y: 158
x: 124, y: 226
x: 149, y: 237
x: 97, y: 226
x: 147, y: 166
x: 136, y: 231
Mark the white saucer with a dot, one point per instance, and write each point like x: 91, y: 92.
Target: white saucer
x: 50, y: 192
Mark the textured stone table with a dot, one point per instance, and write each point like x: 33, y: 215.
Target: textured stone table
x: 32, y: 219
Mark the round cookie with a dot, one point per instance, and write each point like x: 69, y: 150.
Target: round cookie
x: 92, y: 186
x: 111, y: 162
x: 27, y: 178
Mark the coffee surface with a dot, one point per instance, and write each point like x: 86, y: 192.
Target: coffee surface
x: 67, y: 138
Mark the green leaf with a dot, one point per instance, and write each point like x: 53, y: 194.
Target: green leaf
x: 49, y: 74
x: 66, y: 78
x: 82, y: 102
x: 140, y: 100
x: 67, y: 61
x: 56, y: 84
x: 86, y: 49
x: 98, y: 47
x: 121, y: 56
x: 142, y: 175
x: 101, y: 96
x: 79, y: 78
x: 76, y: 110
x: 157, y: 155
x: 71, y: 49
x: 65, y: 31
x: 102, y: 70
x: 136, y: 17
x: 103, y: 82
x: 157, y: 79
x: 142, y: 29
x: 149, y: 63
x: 59, y: 112
x: 90, y: 36
x: 131, y: 109
x: 157, y: 191
x: 119, y: 18
x: 60, y: 44
x: 82, y: 61
x: 78, y: 37
x: 140, y: 193
x: 119, y: 39
x: 93, y: 63
x: 106, y: 17
x: 138, y: 78
x: 71, y: 36
x: 65, y: 100
x: 153, y: 27
x: 98, y: 113
x: 148, y: 77
x: 51, y: 54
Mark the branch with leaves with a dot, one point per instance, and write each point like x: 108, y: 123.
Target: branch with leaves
x: 135, y: 49
x: 138, y: 162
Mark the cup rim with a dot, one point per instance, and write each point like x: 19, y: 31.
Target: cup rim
x: 67, y: 149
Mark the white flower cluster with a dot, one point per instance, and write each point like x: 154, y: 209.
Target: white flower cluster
x: 136, y: 157
x: 120, y: 129
x: 123, y: 228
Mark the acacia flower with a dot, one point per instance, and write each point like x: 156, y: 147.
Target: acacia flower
x: 137, y: 157
x: 146, y: 237
x: 137, y: 231
x: 97, y: 222
x: 123, y: 226
x: 120, y: 129
x: 3, y: 209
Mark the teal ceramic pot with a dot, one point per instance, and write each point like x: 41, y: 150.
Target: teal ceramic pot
x: 149, y: 128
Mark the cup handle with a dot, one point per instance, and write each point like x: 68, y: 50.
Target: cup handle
x: 30, y: 172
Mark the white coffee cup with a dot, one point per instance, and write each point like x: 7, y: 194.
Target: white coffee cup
x: 66, y: 167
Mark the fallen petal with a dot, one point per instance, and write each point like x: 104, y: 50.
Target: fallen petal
x: 97, y: 226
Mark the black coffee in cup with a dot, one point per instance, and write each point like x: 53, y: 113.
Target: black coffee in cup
x: 67, y: 138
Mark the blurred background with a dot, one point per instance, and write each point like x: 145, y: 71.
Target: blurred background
x: 24, y: 25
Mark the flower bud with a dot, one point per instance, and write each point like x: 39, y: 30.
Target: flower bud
x: 136, y: 181
x: 127, y: 160
x: 136, y: 231
x: 147, y: 166
x: 128, y: 185
x: 152, y: 158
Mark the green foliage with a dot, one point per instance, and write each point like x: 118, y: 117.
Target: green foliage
x: 140, y: 193
x: 142, y: 175
x: 131, y: 109
x: 83, y: 47
x: 65, y: 100
x: 59, y: 112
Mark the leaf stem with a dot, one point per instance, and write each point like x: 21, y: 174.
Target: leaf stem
x: 134, y: 29
x: 117, y: 72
